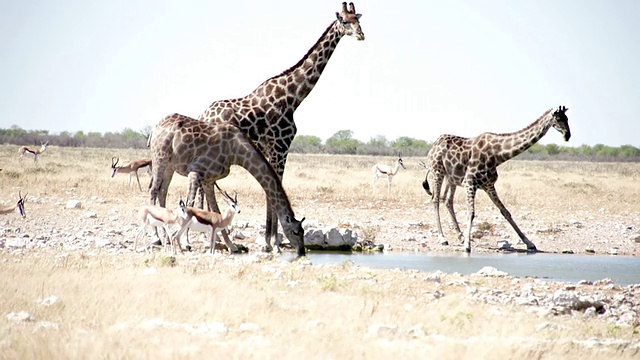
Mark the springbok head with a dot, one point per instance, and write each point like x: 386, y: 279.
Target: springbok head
x: 561, y: 122
x: 400, y: 162
x: 232, y: 201
x: 20, y: 205
x: 349, y: 21
x: 114, y: 166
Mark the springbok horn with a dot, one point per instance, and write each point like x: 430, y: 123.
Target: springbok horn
x: 113, y: 164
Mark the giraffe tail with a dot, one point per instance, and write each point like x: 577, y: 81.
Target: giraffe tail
x: 425, y: 183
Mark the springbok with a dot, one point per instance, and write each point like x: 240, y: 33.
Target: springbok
x: 197, y: 226
x: 382, y: 170
x: 135, y: 167
x: 34, y: 152
x: 6, y: 209
x: 157, y: 217
x: 206, y: 221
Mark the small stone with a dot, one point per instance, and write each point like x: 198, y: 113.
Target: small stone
x: 382, y: 330
x: 20, y: 317
x: 568, y: 251
x: 73, y: 204
x: 248, y: 327
x: 49, y: 301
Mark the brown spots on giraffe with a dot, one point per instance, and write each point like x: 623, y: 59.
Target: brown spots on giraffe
x: 279, y: 92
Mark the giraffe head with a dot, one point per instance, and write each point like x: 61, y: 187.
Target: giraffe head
x: 561, y: 122
x: 293, y: 230
x: 348, y: 21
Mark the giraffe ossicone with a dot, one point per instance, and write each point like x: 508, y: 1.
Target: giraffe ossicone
x: 472, y: 163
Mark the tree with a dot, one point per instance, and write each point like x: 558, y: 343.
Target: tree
x: 343, y: 142
x: 306, y: 144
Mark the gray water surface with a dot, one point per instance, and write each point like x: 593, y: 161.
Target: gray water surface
x: 623, y: 270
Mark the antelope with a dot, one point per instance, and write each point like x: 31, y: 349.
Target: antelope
x: 33, y: 152
x: 158, y: 217
x: 382, y: 170
x: 133, y: 168
x: 6, y: 209
x: 206, y: 221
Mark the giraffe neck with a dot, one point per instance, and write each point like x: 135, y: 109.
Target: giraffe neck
x: 300, y: 79
x: 257, y: 165
x: 516, y: 143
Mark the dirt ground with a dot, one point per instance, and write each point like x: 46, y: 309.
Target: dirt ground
x: 116, y: 303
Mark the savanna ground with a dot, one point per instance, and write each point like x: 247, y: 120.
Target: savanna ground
x: 86, y: 294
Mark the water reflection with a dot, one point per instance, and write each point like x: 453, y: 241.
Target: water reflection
x: 622, y: 270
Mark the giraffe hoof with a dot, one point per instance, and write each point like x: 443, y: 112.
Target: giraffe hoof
x: 188, y: 248
x: 532, y: 249
x: 445, y: 242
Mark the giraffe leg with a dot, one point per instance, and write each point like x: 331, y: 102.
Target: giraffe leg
x: 274, y: 229
x: 436, y: 207
x: 210, y: 195
x: 269, y: 231
x: 449, y: 192
x: 493, y: 195
x: 471, y: 199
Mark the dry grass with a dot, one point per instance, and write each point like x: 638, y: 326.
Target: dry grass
x: 117, y: 304
x: 110, y: 307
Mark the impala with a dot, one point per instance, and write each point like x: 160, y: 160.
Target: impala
x: 206, y: 221
x: 34, y: 152
x: 133, y: 168
x: 382, y: 170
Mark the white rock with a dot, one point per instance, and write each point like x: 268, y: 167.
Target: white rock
x: 248, y: 327
x: 73, y: 204
x: 491, y: 271
x: 20, y: 316
x: 15, y: 243
x: 49, y: 301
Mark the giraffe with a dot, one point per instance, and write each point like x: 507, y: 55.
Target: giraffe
x: 266, y: 114
x: 204, y: 152
x: 473, y: 162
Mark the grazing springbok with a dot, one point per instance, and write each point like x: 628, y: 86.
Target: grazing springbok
x: 34, y: 152
x: 472, y: 163
x: 158, y: 217
x: 7, y: 209
x: 382, y: 170
x: 135, y: 167
x: 200, y: 220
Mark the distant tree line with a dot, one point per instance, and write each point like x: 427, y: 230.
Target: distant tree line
x: 342, y: 142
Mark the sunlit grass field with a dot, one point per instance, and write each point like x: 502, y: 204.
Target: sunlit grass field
x: 137, y: 305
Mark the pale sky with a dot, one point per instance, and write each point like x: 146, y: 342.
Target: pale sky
x: 425, y: 68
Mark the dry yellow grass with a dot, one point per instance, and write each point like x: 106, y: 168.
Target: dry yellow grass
x: 119, y: 304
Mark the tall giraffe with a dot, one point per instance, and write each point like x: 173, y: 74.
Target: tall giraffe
x: 473, y: 162
x: 204, y: 152
x: 266, y: 114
